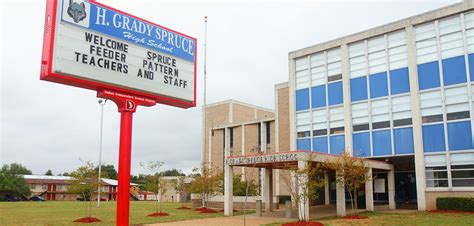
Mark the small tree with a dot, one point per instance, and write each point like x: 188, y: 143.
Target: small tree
x: 12, y: 184
x: 154, y: 182
x: 207, y: 182
x: 85, y: 182
x: 48, y: 173
x: 180, y: 187
x: 350, y: 171
x: 303, y: 185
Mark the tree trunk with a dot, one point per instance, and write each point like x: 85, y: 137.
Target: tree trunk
x: 356, y: 197
x: 352, y: 201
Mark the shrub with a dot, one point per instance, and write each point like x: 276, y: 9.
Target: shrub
x: 455, y: 203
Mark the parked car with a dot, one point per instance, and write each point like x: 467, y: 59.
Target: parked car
x: 37, y: 199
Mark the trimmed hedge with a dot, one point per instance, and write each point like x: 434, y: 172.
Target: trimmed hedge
x: 455, y: 203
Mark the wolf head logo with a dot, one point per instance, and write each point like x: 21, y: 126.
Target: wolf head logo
x: 76, y: 11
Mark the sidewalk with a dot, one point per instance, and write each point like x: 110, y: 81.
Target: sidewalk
x: 226, y: 221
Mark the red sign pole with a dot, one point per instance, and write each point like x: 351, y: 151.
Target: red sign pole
x: 123, y: 193
x: 127, y: 105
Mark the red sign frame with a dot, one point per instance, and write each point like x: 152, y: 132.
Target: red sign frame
x: 47, y: 62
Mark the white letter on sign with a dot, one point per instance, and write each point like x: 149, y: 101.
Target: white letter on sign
x: 100, y: 16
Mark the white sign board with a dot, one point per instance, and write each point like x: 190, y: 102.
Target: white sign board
x: 99, y: 44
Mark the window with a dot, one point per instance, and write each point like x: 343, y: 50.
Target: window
x: 303, y: 144
x: 231, y: 137
x: 361, y: 144
x: 59, y: 187
x: 320, y: 144
x: 433, y: 138
x: 403, y: 141
x: 376, y: 55
x: 357, y: 60
x: 457, y: 103
x: 382, y: 143
x: 469, y: 24
x: 44, y: 186
x: 302, y: 99
x: 459, y: 136
x: 337, y: 144
x: 33, y: 186
x: 318, y: 69
x: 380, y: 114
x: 267, y: 125
x: 399, y: 81
x: 334, y: 66
x: 318, y: 96
x: 431, y: 106
x: 320, y: 124
x: 397, y: 50
x: 427, y: 56
x: 462, y: 169
x: 436, y: 171
x: 359, y: 88
x: 302, y: 73
x: 360, y: 116
x: 302, y: 122
x: 452, y: 51
x: 401, y: 110
x: 336, y: 120
x: 378, y: 85
x: 335, y: 93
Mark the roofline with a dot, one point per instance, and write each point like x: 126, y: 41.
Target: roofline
x: 243, y: 123
x: 281, y: 85
x: 386, y: 28
x: 239, y: 102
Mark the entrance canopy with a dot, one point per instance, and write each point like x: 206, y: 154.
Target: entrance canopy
x: 289, y: 160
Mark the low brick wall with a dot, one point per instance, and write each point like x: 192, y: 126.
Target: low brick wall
x: 220, y: 205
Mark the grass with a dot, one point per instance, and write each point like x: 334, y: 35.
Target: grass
x: 395, y: 219
x: 64, y: 212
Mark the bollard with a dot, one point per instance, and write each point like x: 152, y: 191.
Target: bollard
x: 288, y: 212
x: 258, y: 208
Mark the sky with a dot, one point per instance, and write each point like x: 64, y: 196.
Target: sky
x: 45, y: 125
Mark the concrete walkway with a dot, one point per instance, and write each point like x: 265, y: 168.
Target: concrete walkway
x: 250, y: 220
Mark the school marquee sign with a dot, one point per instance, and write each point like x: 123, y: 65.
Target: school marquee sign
x: 265, y: 158
x: 93, y: 46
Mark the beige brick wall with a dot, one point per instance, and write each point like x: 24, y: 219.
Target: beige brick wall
x: 242, y: 113
x: 283, y: 119
x: 271, y: 147
x: 261, y: 114
x: 217, y: 148
x: 251, y: 138
x: 431, y: 196
x: 215, y: 116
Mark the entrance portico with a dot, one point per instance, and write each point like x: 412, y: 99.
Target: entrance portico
x: 295, y: 160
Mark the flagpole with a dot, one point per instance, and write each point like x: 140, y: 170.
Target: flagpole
x: 205, y: 86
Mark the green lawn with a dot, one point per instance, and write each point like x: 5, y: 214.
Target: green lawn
x: 63, y: 213
x: 415, y: 219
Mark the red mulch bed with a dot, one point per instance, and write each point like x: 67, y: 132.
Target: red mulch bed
x: 221, y: 211
x: 450, y: 211
x: 200, y: 209
x: 183, y: 208
x: 208, y: 211
x: 158, y: 214
x: 355, y: 217
x: 300, y: 223
x: 87, y: 220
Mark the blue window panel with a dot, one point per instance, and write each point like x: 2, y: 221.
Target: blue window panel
x: 471, y: 65
x: 454, y: 70
x: 378, y: 85
x: 428, y: 75
x: 303, y: 144
x: 459, y: 136
x: 335, y: 93
x: 399, y: 81
x: 359, y: 88
x: 433, y: 138
x: 320, y: 144
x: 318, y: 96
x: 403, y: 141
x: 382, y: 143
x: 361, y: 144
x: 302, y: 99
x: 337, y: 144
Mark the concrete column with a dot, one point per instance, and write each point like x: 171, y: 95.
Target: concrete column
x: 292, y: 104
x: 228, y: 179
x: 243, y: 148
x: 391, y: 189
x: 346, y: 97
x: 263, y: 137
x: 369, y: 192
x: 340, y: 199
x: 303, y: 208
x: 416, y: 118
x: 327, y: 198
x: 268, y: 190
